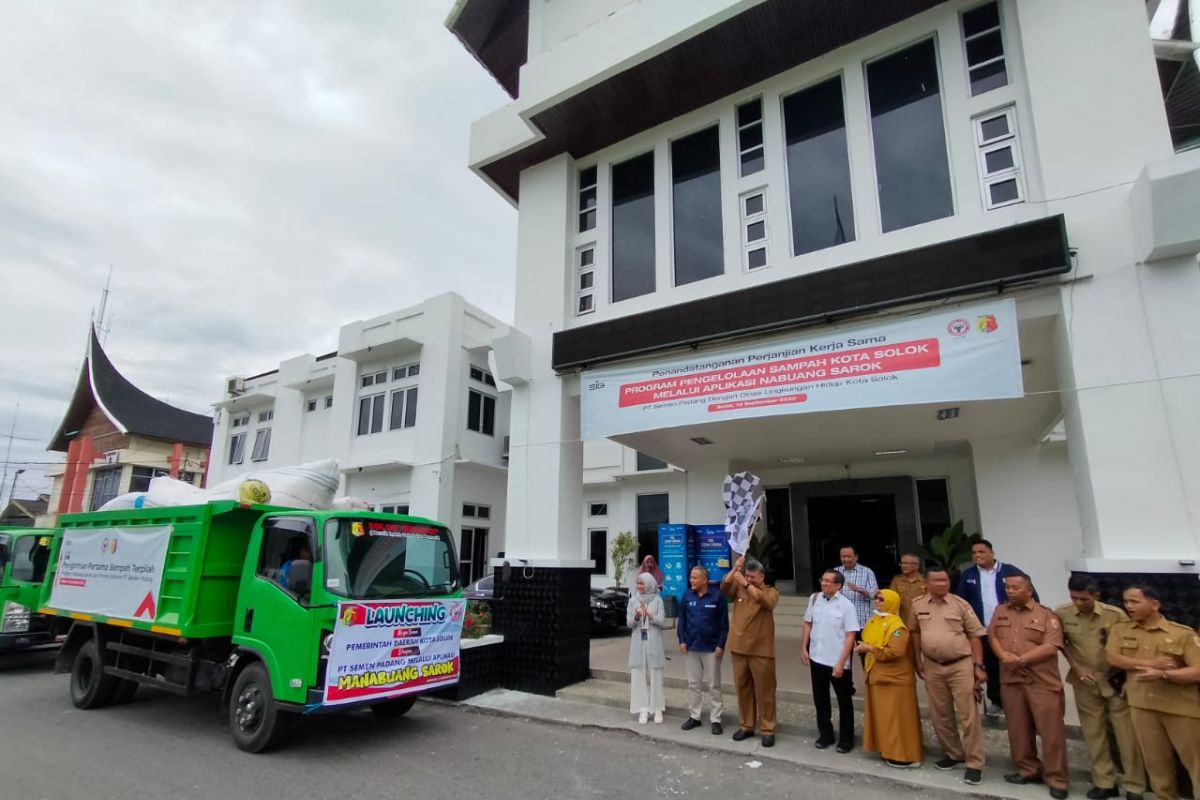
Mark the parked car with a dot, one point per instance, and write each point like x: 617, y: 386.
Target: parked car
x: 481, y: 589
x: 608, y: 609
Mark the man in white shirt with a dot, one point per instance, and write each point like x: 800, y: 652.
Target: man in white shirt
x: 830, y: 626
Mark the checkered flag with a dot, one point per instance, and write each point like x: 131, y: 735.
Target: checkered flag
x: 741, y: 508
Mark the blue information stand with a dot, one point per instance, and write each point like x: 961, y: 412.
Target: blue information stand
x: 712, y: 551
x: 676, y: 555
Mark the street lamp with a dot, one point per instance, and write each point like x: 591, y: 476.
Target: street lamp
x: 13, y: 488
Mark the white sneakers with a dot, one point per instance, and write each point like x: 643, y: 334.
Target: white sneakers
x: 658, y: 718
x: 642, y: 717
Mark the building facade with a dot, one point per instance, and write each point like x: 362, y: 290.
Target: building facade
x: 117, y: 439
x: 700, y: 182
x: 408, y: 406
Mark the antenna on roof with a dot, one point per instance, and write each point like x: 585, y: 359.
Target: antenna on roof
x: 103, y: 326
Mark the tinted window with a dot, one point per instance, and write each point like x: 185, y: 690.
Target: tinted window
x: 696, y: 202
x: 652, y: 510
x: 910, y: 141
x: 633, y: 227
x: 818, y: 168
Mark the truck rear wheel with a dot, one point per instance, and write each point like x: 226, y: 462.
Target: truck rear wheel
x: 390, y: 709
x: 90, y: 687
x: 253, y: 715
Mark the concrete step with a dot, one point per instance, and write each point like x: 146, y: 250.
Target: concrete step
x: 796, y: 715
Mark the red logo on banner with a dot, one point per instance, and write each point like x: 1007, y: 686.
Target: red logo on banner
x: 146, y: 607
x: 958, y: 327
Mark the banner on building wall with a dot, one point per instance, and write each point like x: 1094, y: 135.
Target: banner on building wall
x: 393, y: 648
x: 116, y: 572
x: 966, y: 353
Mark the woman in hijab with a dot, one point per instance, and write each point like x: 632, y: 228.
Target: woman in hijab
x: 646, y: 617
x: 892, y: 724
x: 651, y: 566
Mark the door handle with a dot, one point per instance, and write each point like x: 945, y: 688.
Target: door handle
x: 248, y: 622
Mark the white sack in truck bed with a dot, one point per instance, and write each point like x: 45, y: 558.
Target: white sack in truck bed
x: 302, y: 486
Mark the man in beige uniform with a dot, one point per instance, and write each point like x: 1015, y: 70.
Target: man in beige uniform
x: 948, y: 655
x: 910, y: 583
x: 1162, y: 659
x: 1087, y: 624
x: 751, y: 640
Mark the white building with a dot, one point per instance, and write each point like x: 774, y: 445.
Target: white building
x: 409, y: 408
x: 703, y: 181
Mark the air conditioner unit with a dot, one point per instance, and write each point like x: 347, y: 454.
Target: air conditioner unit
x: 235, y: 386
x: 504, y: 448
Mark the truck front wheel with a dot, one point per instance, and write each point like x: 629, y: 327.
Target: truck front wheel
x: 253, y: 715
x: 90, y: 687
x: 390, y: 709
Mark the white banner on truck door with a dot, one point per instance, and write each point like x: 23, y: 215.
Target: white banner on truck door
x: 965, y: 353
x: 116, y: 572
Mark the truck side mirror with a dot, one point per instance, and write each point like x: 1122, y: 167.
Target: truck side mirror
x: 300, y: 577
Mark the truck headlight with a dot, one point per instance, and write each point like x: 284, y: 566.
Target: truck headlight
x: 16, y: 618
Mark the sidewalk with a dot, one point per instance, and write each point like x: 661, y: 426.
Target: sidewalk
x: 793, y: 745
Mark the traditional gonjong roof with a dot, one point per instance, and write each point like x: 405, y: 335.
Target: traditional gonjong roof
x: 130, y: 409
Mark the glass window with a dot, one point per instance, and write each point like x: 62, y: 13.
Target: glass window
x: 652, y: 510
x: 598, y: 551
x: 754, y: 204
x: 1004, y: 192
x: 633, y: 227
x: 262, y: 445
x: 587, y: 256
x: 750, y: 137
x: 587, y: 199
x: 598, y: 510
x: 370, y: 414
x: 285, y: 540
x: 329, y: 401
x: 370, y: 558
x: 29, y: 559
x: 481, y: 412
x: 985, y: 48
x: 645, y: 462
x: 818, y: 165
x: 237, y: 448
x: 404, y: 409
x: 140, y: 479
x: 106, y: 483
x: 994, y: 128
x: 696, y: 206
x: 756, y: 257
x: 585, y: 304
x: 999, y: 159
x: 911, y: 165
x: 311, y: 405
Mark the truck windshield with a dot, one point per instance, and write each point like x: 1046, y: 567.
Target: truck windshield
x: 371, y: 558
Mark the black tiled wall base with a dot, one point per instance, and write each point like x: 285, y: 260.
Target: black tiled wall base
x: 546, y: 618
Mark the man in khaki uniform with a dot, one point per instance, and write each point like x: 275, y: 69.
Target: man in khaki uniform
x: 909, y: 584
x: 948, y: 655
x: 751, y: 640
x: 1162, y: 659
x: 1026, y: 638
x: 1087, y: 625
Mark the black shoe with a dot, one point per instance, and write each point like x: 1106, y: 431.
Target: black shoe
x: 1096, y: 792
x: 821, y: 744
x: 1134, y: 796
x: 1058, y: 794
x: 717, y: 729
x: 972, y: 777
x: 1021, y: 780
x: 947, y: 763
x: 845, y: 748
x: 902, y: 764
x: 742, y: 733
x: 768, y: 740
x: 690, y: 722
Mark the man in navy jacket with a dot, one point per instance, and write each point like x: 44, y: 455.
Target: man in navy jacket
x: 982, y: 585
x: 703, y: 626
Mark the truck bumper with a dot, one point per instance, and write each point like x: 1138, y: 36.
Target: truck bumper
x: 23, y: 641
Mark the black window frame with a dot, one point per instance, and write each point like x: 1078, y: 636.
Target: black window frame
x: 481, y: 412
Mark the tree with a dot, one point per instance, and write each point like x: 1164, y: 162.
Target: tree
x: 623, y: 548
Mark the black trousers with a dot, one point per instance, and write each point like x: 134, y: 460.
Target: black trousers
x: 822, y: 679
x: 991, y: 665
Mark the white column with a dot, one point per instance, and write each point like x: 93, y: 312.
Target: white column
x: 439, y: 423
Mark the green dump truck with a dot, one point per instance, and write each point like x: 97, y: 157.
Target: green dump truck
x: 24, y: 556
x: 281, y: 611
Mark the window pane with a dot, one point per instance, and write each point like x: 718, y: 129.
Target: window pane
x: 696, y: 179
x: 645, y: 462
x: 489, y: 415
x: 756, y: 231
x: 381, y: 377
x: 473, y: 403
x: 752, y: 161
x: 367, y: 380
x: 587, y: 199
x: 1003, y: 191
x: 750, y: 137
x: 754, y: 204
x: 999, y: 159
x: 415, y: 369
x: 985, y: 48
x: 410, y: 408
x: 986, y: 78
x: 652, y: 510
x: 587, y: 257
x: 994, y: 128
x: 476, y: 373
x: 586, y: 280
x: 468, y: 509
x: 585, y: 304
x: 587, y: 177
x: 364, y: 416
x: 587, y: 221
x: 980, y: 19
x: 757, y: 258
x: 483, y: 512
x: 633, y: 228
x: 396, y: 419
x: 910, y: 141
x: 329, y: 401
x: 236, y: 447
x: 377, y: 414
x: 822, y: 209
x: 598, y: 551
x: 749, y: 112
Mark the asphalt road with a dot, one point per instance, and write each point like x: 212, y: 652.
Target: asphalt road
x: 161, y: 746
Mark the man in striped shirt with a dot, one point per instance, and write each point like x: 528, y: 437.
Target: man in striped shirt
x: 860, y: 586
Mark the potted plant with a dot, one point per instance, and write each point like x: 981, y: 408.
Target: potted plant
x: 478, y: 620
x: 624, y: 548
x: 950, y: 549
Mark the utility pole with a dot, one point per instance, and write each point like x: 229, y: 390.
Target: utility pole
x: 12, y: 432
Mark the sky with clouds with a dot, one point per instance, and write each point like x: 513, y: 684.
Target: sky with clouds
x: 256, y: 173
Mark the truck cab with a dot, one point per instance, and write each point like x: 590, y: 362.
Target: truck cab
x: 24, y: 557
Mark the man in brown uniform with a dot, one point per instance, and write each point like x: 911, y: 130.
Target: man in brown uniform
x: 948, y: 655
x: 1087, y: 625
x: 1163, y: 659
x: 909, y: 584
x: 1026, y: 638
x: 751, y: 640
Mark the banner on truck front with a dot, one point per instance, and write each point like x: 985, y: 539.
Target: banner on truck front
x: 392, y: 648
x: 965, y: 353
x: 116, y: 572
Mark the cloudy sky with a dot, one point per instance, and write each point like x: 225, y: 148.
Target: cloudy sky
x: 256, y: 173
